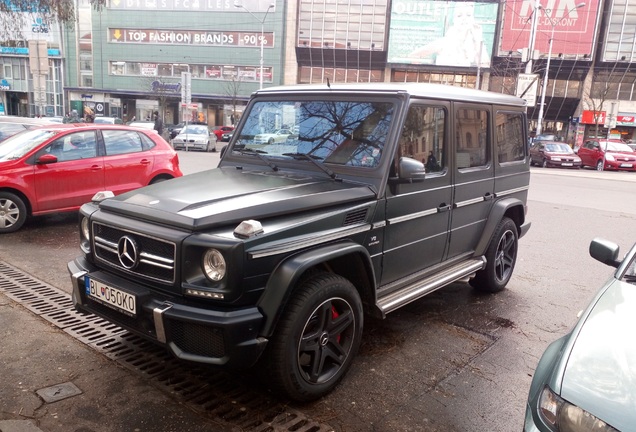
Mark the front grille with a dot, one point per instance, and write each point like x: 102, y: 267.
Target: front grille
x: 197, y: 339
x: 155, y: 258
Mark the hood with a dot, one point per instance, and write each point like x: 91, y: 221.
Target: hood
x: 229, y: 195
x: 600, y: 373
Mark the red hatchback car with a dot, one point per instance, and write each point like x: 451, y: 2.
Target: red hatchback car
x: 58, y: 168
x: 220, y: 130
x: 607, y: 154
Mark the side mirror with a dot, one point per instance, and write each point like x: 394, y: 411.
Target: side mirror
x: 410, y: 169
x: 46, y: 159
x: 605, y: 251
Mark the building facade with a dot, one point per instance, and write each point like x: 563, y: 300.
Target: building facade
x: 573, y: 62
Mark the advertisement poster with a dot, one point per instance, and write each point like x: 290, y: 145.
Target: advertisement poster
x: 445, y: 33
x: 573, y: 25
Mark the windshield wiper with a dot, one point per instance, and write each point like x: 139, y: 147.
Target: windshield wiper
x: 313, y: 160
x: 258, y: 153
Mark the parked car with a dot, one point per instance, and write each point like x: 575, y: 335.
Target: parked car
x: 108, y: 120
x: 175, y: 129
x: 278, y: 136
x: 59, y: 167
x: 218, y: 131
x: 274, y: 258
x: 11, y: 125
x: 553, y: 154
x: 227, y: 136
x: 545, y: 137
x: 607, y: 154
x: 195, y: 137
x: 585, y: 380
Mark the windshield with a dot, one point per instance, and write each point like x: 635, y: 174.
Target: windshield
x: 559, y: 148
x: 18, y: 145
x: 337, y: 132
x: 198, y: 130
x: 615, y: 147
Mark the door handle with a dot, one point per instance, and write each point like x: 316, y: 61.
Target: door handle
x: 488, y: 196
x: 96, y: 167
x: 145, y: 162
x: 443, y: 207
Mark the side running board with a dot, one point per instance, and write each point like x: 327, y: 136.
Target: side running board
x: 422, y: 287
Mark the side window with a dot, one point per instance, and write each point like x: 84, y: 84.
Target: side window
x: 471, y: 127
x: 509, y: 134
x: 74, y: 146
x: 422, y: 137
x: 121, y: 142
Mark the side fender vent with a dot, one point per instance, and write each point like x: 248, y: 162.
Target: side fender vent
x: 355, y: 217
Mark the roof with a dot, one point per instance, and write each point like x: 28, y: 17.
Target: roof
x: 416, y: 90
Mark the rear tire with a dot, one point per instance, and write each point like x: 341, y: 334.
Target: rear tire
x: 501, y: 257
x: 13, y: 212
x: 316, y: 339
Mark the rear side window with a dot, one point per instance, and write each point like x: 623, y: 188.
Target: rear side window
x: 121, y: 142
x: 510, y: 145
x: 471, y: 128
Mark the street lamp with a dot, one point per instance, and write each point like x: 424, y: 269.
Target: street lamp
x: 547, y: 67
x: 237, y: 5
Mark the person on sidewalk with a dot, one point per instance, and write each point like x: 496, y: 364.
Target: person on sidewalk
x: 158, y: 123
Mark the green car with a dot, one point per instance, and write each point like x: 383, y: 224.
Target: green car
x: 585, y: 381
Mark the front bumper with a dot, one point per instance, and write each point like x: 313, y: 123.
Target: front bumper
x: 190, y: 146
x: 191, y: 332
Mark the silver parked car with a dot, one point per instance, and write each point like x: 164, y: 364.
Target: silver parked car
x: 585, y: 381
x: 195, y: 137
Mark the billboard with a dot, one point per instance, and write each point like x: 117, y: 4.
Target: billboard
x: 449, y: 33
x: 574, y: 27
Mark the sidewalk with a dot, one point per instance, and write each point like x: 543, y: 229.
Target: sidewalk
x: 54, y: 383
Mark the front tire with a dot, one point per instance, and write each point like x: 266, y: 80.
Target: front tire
x: 316, y: 339
x: 501, y: 257
x: 13, y: 212
x: 599, y: 166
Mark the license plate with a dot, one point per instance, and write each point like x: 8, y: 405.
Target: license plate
x: 566, y: 164
x: 111, y: 297
x: 626, y: 165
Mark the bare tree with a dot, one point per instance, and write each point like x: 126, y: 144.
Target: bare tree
x: 15, y: 15
x: 595, y: 99
x: 232, y: 90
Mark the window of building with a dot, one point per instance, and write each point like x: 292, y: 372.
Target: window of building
x: 456, y: 79
x: 319, y: 22
x: 7, y: 71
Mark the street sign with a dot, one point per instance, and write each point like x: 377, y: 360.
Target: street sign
x: 527, y: 88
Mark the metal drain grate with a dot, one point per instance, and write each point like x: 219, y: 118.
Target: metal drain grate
x: 224, y: 397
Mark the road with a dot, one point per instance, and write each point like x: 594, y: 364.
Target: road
x: 455, y: 360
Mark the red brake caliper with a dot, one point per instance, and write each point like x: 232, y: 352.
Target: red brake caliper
x: 334, y: 315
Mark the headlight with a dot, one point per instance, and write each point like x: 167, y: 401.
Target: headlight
x: 85, y: 235
x: 214, y: 266
x: 556, y: 158
x: 562, y: 416
x: 609, y: 157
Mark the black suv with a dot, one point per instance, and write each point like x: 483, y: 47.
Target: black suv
x: 379, y: 195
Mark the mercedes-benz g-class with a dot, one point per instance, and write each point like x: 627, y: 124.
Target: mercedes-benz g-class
x: 372, y: 197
